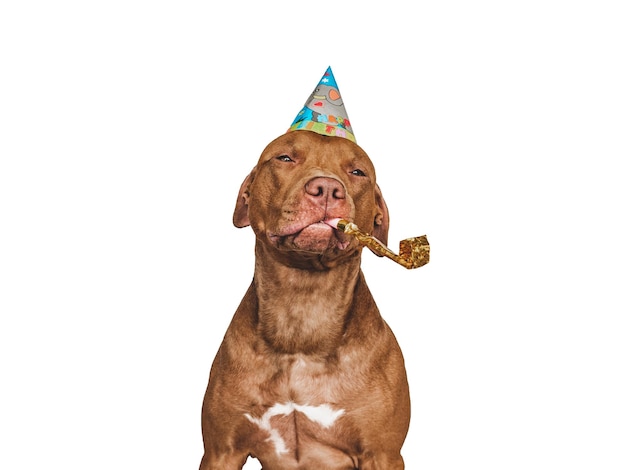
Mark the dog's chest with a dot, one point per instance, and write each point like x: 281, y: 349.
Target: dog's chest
x: 300, y: 412
x: 286, y: 427
x: 308, y: 380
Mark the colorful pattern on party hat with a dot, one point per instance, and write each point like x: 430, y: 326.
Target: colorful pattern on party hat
x: 324, y: 111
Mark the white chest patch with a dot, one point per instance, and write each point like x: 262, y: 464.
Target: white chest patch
x: 324, y: 415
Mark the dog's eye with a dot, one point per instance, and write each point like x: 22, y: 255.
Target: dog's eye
x: 284, y: 158
x: 357, y: 172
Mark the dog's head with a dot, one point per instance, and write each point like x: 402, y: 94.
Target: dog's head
x: 302, y: 179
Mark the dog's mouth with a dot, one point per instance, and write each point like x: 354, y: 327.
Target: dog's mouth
x: 316, y: 237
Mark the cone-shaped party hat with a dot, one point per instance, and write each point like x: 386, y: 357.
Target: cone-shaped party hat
x: 324, y: 111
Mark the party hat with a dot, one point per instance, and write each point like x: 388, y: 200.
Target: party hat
x: 324, y: 111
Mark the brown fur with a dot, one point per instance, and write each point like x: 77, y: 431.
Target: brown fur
x: 308, y: 330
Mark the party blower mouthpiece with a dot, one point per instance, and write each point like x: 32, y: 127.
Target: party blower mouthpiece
x: 414, y: 252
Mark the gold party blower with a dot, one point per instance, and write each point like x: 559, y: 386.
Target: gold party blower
x: 414, y: 252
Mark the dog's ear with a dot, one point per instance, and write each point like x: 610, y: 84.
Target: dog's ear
x: 240, y: 216
x: 381, y: 220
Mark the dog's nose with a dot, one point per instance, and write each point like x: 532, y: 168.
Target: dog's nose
x: 325, y: 188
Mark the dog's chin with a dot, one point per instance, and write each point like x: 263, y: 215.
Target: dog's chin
x: 316, y: 239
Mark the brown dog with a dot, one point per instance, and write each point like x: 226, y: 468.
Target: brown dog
x: 309, y: 376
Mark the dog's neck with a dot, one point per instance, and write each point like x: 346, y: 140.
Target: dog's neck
x: 304, y: 310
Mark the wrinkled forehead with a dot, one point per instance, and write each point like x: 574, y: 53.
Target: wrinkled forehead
x: 324, y: 150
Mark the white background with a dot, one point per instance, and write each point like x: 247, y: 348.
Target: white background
x: 497, y: 129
